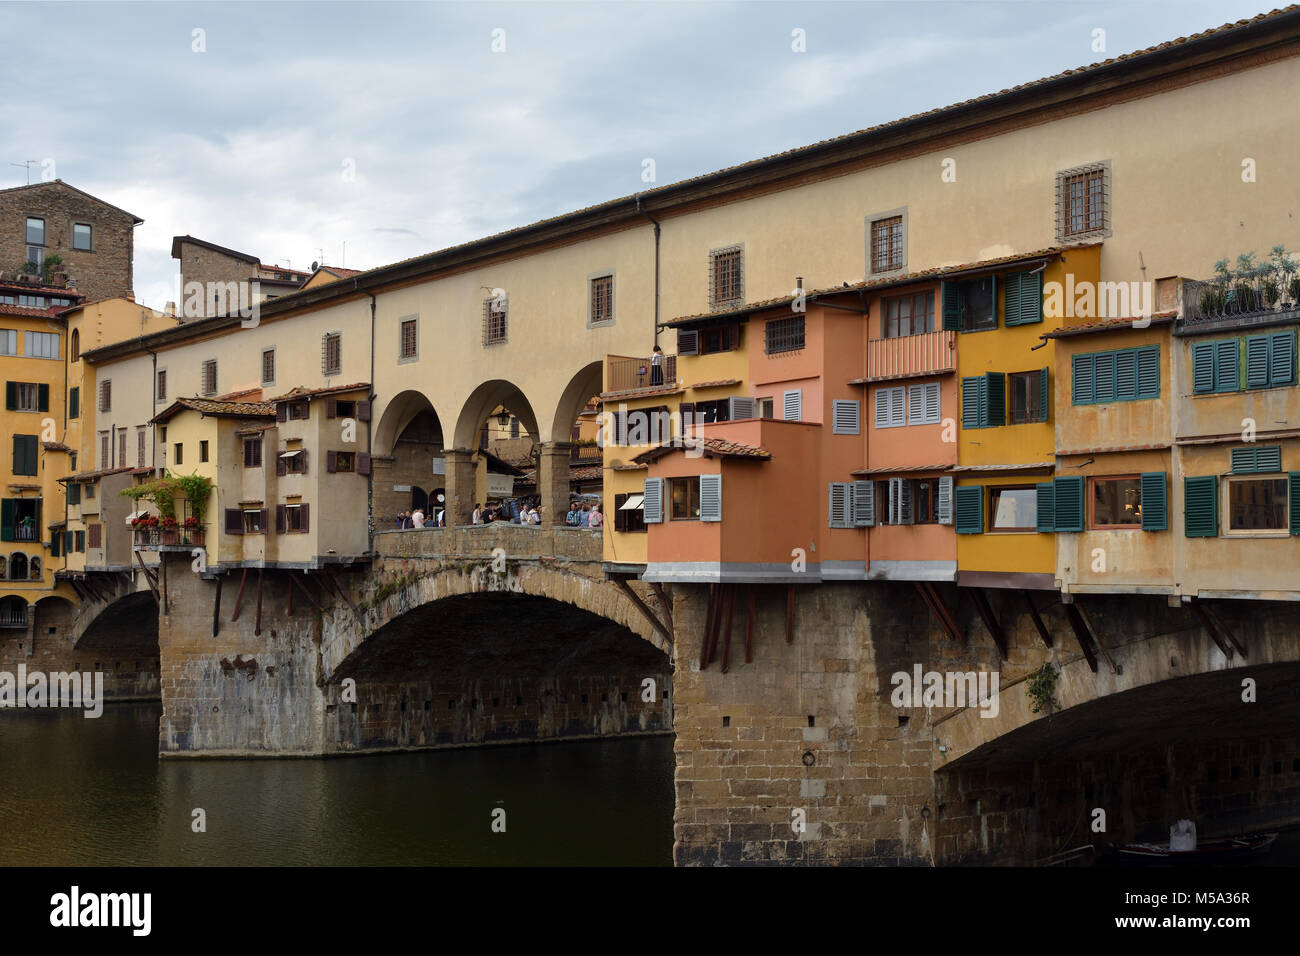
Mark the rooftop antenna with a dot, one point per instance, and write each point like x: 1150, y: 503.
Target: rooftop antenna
x: 27, y: 166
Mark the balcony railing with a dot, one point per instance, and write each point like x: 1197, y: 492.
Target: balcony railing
x: 908, y: 355
x: 12, y: 618
x: 625, y: 372
x: 24, y: 533
x: 1261, y: 296
x: 163, y: 537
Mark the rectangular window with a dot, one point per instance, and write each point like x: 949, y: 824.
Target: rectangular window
x: 495, y: 320
x: 35, y: 232
x: 925, y: 501
x: 1083, y: 201
x: 8, y: 339
x: 252, y: 452
x: 140, y: 443
x: 331, y: 358
x: 203, y: 450
x: 408, y: 346
x: 121, y: 448
x: 909, y: 315
x: 105, y: 450
x: 162, y: 384
x: 764, y: 408
x: 340, y: 461
x: 970, y: 305
x: 74, y: 402
x: 295, y: 462
x: 81, y: 542
x: 887, y: 244
x: 784, y: 335
x: 1022, y: 299
x: 684, y: 495
x: 839, y: 505
x: 726, y: 276
x: 629, y: 515
x: 1013, y: 508
x: 923, y: 404
x: 792, y: 405
x: 1124, y: 375
x: 210, y: 377
x: 983, y: 400
x: 845, y: 417
x: 602, y: 299
x: 1115, y: 502
x: 968, y: 508
x: 74, y: 493
x: 26, y: 396
x: 254, y: 521
x: 178, y: 454
x: 723, y: 338
x: 81, y: 236
x: 891, y: 410
x: 293, y: 518
x: 106, y: 395
x: 90, y: 490
x: 1026, y: 391
x: 268, y: 366
x: 42, y: 345
x: 26, y: 460
x: 1257, y: 505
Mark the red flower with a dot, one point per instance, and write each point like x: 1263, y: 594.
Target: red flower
x: 169, y: 523
x: 191, y: 522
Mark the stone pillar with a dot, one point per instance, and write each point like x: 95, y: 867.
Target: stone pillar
x: 460, y: 485
x: 553, y: 481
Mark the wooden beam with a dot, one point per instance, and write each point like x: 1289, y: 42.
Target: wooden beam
x: 947, y: 619
x: 1097, y: 638
x: 257, y: 623
x: 333, y: 579
x: 990, y: 619
x: 643, y: 608
x: 162, y: 573
x: 665, y: 604
x: 749, y: 625
x: 291, y: 598
x: 1043, y: 632
x: 216, y: 608
x: 726, y: 634
x: 789, y: 613
x: 147, y: 577
x: 1223, y: 629
x: 1209, y: 624
x: 1081, y: 634
x: 293, y: 578
x: 239, y: 598
x: 710, y: 615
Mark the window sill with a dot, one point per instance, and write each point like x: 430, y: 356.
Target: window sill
x: 1238, y: 535
x: 1016, y: 531
x: 407, y: 359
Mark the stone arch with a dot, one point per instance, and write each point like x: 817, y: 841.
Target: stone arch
x: 344, y: 636
x: 34, y: 568
x: 130, y: 617
x: 13, y: 611
x: 483, y: 400
x: 404, y: 408
x: 585, y: 383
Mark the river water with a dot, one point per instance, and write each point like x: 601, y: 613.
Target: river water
x: 76, y: 792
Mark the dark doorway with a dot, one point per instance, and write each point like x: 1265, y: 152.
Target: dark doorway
x: 419, y: 499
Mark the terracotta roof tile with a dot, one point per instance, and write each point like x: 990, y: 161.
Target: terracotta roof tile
x: 718, y: 384
x: 629, y: 466
x: 1108, y: 325
x: 709, y: 447
x: 94, y: 475
x: 899, y: 469
x: 55, y: 446
x: 643, y: 392
x: 213, y: 406
x: 300, y: 391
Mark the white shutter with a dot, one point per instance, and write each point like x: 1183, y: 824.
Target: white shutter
x: 932, y: 403
x: 793, y: 406
x: 882, y: 408
x: 915, y: 404
x: 653, y: 503
x: 845, y: 417
x: 710, y: 497
x: 741, y: 408
x: 688, y: 342
x: 945, y: 499
x: 897, y: 408
x: 839, y: 505
x: 904, y: 501
x: 864, y: 504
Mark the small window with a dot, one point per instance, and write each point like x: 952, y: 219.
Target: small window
x: 26, y: 396
x: 629, y: 513
x: 105, y: 449
x: 408, y: 343
x: 908, y: 315
x: 720, y: 339
x: 1257, y: 505
x: 345, y: 461
x: 726, y: 276
x: 845, y: 417
x: 253, y: 521
x: 1013, y: 508
x: 293, y: 518
x: 684, y: 493
x: 178, y: 454
x: 1116, y: 502
x: 35, y: 232
x: 495, y: 314
x: 1026, y: 395
x: 977, y: 299
x: 106, y: 395
x: 784, y: 335
x: 887, y: 246
x: 332, y: 353
x: 43, y: 345
x: 81, y: 236
x: 141, y: 443
x: 8, y: 337
x: 90, y: 491
x: 602, y: 299
x: 1083, y: 202
x: 268, y: 366
x: 203, y: 450
x: 891, y: 407
x: 764, y: 408
x: 74, y: 403
x: 298, y: 411
x: 74, y: 346
x: 295, y: 462
x: 209, y: 378
x: 345, y: 409
x: 252, y: 452
x: 162, y: 384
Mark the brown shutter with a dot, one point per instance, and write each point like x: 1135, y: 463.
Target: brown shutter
x: 306, y: 525
x: 363, y: 464
x: 96, y: 535
x: 234, y: 521
x: 331, y: 460
x: 281, y: 411
x: 281, y: 469
x: 620, y: 516
x: 279, y: 519
x: 303, y: 456
x: 261, y: 521
x: 363, y: 411
x: 331, y: 408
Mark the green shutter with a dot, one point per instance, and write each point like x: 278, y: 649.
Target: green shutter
x: 21, y: 465
x: 1256, y: 458
x: 1069, y: 504
x: 1082, y: 389
x: 970, y: 402
x: 970, y: 509
x: 1201, y: 506
x: 1023, y: 299
x: 950, y: 294
x: 1104, y: 377
x: 1227, y: 366
x: 1148, y: 372
x: 1293, y: 490
x: 1045, y: 395
x: 42, y: 398
x: 1257, y: 361
x: 56, y: 539
x: 995, y: 398
x: 74, y: 492
x: 1046, y: 506
x: 1203, y: 367
x: 1281, y: 359
x: 1126, y: 380
x: 11, y: 395
x: 8, y: 510
x: 1154, y: 505
x: 74, y: 403
x: 1243, y: 460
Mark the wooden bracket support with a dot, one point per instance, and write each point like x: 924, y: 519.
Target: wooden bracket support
x: 990, y: 620
x: 934, y: 601
x: 641, y: 606
x: 1043, y: 632
x: 1081, y: 634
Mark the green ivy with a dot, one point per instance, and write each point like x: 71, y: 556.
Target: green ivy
x: 1041, y: 687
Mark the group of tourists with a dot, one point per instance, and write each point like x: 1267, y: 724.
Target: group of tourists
x: 584, y: 516
x: 513, y: 510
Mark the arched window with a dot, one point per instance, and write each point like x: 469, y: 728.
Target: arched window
x: 4, y: 567
x: 75, y: 347
x: 34, y: 569
x: 18, y: 567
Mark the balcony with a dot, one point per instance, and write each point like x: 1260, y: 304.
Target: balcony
x: 161, y: 539
x: 910, y: 356
x: 623, y: 372
x: 1264, y: 298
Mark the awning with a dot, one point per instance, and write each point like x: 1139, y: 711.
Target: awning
x: 136, y: 514
x: 633, y: 503
x: 290, y: 454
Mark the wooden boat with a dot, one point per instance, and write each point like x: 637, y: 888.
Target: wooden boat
x: 1225, y: 850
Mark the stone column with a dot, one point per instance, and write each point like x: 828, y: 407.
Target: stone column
x: 459, y: 486
x: 553, y: 481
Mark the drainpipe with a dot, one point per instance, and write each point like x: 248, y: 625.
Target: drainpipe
x: 370, y: 478
x: 153, y: 388
x: 656, y: 225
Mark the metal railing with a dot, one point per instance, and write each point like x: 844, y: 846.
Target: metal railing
x: 1259, y: 295
x: 627, y: 372
x: 165, y: 537
x: 24, y: 533
x: 906, y: 355
x: 10, y: 617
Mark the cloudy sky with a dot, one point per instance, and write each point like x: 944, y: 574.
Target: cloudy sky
x: 288, y: 130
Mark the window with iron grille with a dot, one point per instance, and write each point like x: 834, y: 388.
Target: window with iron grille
x: 408, y: 348
x: 105, y: 449
x: 1083, y: 202
x: 494, y: 320
x: 140, y: 437
x: 602, y: 299
x: 268, y: 366
x: 331, y: 353
x: 210, y: 377
x: 726, y: 276
x: 887, y: 244
x: 784, y: 335
x: 162, y: 384
x: 106, y: 395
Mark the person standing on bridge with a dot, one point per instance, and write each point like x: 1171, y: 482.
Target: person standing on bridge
x: 657, y: 367
x: 477, y: 516
x: 597, y: 519
x: 417, y: 518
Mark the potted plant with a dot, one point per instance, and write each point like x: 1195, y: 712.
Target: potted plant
x: 169, y: 526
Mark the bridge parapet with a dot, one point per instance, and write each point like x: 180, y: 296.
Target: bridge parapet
x: 520, y: 542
